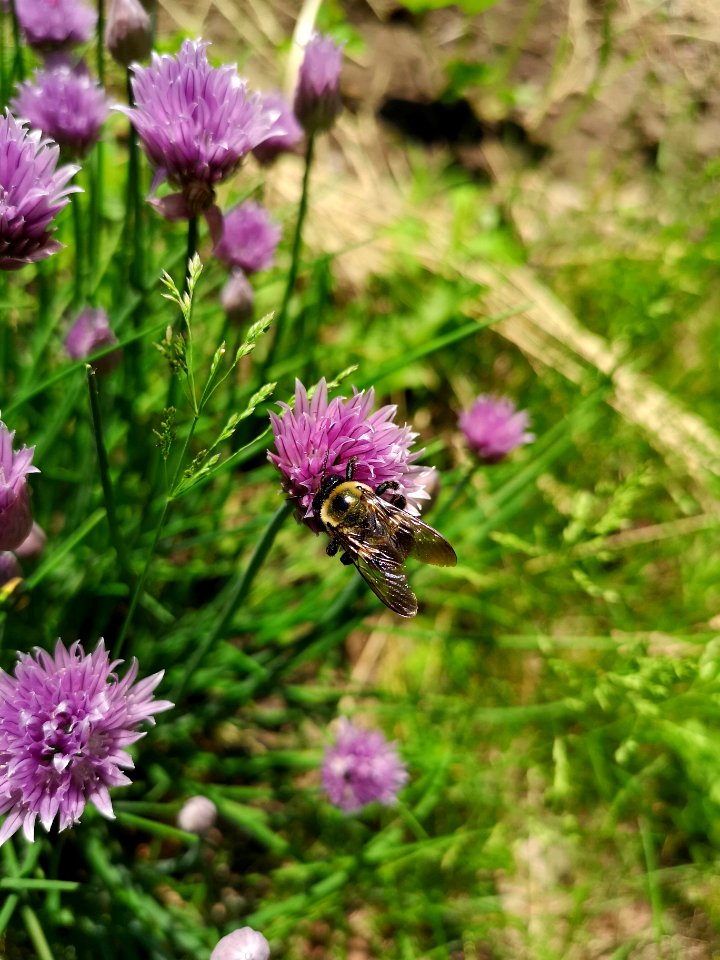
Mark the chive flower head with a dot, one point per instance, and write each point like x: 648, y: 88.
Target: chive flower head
x: 493, y: 427
x: 32, y: 193
x: 250, y: 238
x: 196, y: 123
x: 318, y: 436
x: 51, y: 25
x: 362, y: 767
x: 66, y: 720
x: 66, y: 104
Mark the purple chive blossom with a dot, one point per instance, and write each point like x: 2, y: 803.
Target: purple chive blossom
x: 317, y: 95
x: 32, y: 193
x: 319, y: 433
x: 65, y: 722
x: 89, y: 333
x: 493, y: 426
x: 15, y: 515
x: 128, y: 34
x: 196, y: 123
x: 65, y: 104
x: 51, y: 25
x: 361, y: 767
x: 250, y: 237
x: 242, y: 944
x: 285, y: 132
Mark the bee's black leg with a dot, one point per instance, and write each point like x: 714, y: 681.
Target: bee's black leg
x: 332, y: 548
x: 399, y: 501
x: 381, y: 488
x: 350, y: 469
x: 346, y: 559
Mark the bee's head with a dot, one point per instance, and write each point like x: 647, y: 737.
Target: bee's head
x: 327, y: 485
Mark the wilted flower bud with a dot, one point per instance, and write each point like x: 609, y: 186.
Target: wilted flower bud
x: 90, y: 333
x: 317, y: 95
x: 128, y: 34
x: 15, y: 514
x: 33, y: 544
x: 237, y: 297
x: 197, y: 815
x: 9, y: 567
x: 242, y: 944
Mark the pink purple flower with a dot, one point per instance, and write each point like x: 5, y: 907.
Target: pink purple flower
x: 319, y: 434
x: 197, y: 815
x: 32, y: 193
x: 196, y: 123
x: 15, y: 514
x: 242, y: 944
x: 128, y: 34
x: 317, y: 95
x: 66, y: 720
x: 285, y: 132
x: 89, y: 333
x: 362, y: 767
x: 66, y: 104
x: 55, y: 24
x: 250, y: 238
x: 493, y: 426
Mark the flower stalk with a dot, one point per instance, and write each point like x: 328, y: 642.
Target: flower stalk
x: 107, y: 488
x: 281, y: 320
x: 237, y: 591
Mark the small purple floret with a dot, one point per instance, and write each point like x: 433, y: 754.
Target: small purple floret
x: 250, y: 238
x: 15, y: 514
x: 66, y: 104
x: 196, y: 124
x: 362, y: 767
x: 285, y: 132
x: 51, y: 25
x: 66, y: 720
x: 493, y: 427
x: 32, y: 193
x: 317, y: 95
x: 322, y: 433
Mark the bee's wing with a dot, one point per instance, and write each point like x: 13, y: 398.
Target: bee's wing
x: 388, y: 582
x: 420, y: 540
x: 379, y: 558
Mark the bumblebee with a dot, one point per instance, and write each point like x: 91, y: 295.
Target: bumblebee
x: 378, y: 536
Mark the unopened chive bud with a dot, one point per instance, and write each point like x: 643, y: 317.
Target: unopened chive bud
x: 128, y: 34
